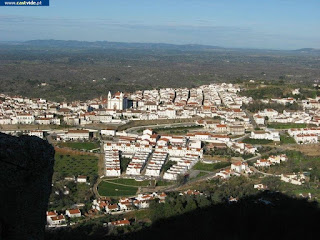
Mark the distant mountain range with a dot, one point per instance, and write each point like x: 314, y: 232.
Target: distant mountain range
x: 308, y: 50
x: 142, y: 46
x: 116, y: 45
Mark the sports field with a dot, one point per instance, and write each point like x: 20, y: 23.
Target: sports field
x: 111, y: 189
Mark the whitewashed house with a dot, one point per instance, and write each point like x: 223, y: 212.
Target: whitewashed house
x: 73, y: 213
x: 82, y: 179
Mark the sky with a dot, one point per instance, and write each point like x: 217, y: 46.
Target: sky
x: 264, y: 24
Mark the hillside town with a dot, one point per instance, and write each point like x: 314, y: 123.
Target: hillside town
x: 217, y: 108
x: 173, y: 136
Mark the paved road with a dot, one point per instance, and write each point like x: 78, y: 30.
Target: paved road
x: 239, y: 139
x: 251, y: 118
x: 253, y: 158
x: 203, y: 178
x: 95, y: 188
x: 265, y: 174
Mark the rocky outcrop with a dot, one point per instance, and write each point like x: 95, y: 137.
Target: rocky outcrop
x: 26, y: 168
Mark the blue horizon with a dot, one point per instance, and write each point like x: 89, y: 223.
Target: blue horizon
x: 273, y: 24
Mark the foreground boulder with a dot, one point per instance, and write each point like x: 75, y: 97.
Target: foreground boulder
x: 26, y: 168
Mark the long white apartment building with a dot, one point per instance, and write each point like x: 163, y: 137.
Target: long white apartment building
x: 183, y: 165
x: 306, y: 138
x: 174, y: 172
x: 296, y: 131
x: 180, y: 151
x: 112, y: 163
x: 305, y: 135
x: 137, y: 164
x: 156, y: 163
x: 127, y: 149
x: 268, y: 135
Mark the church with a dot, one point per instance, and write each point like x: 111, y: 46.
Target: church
x: 116, y: 102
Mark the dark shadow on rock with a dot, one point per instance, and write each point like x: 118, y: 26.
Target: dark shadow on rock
x: 26, y: 168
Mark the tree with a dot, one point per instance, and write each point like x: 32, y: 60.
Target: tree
x: 202, y: 201
x: 191, y: 205
x: 273, y: 183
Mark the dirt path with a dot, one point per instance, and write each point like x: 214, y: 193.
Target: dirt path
x: 95, y: 189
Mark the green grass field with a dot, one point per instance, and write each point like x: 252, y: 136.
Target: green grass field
x: 80, y: 145
x: 114, y: 190
x: 210, y: 167
x: 163, y: 183
x: 130, y: 182
x: 286, y: 125
x: 285, y: 139
x: 69, y: 165
x: 256, y: 141
x: 201, y: 174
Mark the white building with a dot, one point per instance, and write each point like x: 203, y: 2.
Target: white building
x: 137, y: 164
x: 116, y: 102
x: 25, y: 119
x: 73, y: 213
x: 297, y: 179
x: 306, y: 138
x: 112, y: 163
x: 240, y: 167
x: 259, y: 119
x: 38, y: 134
x: 155, y: 164
x: 76, y: 135
x: 82, y: 179
x: 56, y: 220
x: 262, y: 163
x: 268, y: 135
x: 108, y: 132
x: 224, y: 174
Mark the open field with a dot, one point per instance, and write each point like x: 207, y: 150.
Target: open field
x: 256, y: 141
x: 142, y: 214
x: 161, y: 183
x: 286, y: 139
x: 73, y: 165
x: 201, y: 174
x: 215, y: 157
x: 210, y: 167
x: 131, y: 182
x: 115, y: 190
x: 80, y: 145
x: 307, y: 149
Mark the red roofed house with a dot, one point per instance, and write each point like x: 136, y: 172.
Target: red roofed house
x: 112, y: 208
x: 51, y: 214
x: 239, y: 166
x: 55, y: 220
x: 119, y: 223
x: 72, y: 213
